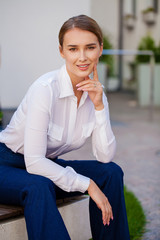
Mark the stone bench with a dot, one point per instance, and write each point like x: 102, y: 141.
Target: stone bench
x: 74, y: 212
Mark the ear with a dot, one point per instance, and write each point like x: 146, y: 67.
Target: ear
x: 61, y: 51
x: 101, y: 50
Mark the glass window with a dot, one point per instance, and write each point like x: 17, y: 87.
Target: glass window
x: 155, y: 5
x: 130, y: 7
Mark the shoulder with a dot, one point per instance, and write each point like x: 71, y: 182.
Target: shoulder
x: 48, y: 82
x: 48, y: 78
x: 44, y: 89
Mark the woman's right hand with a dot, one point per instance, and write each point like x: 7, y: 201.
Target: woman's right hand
x: 102, y: 202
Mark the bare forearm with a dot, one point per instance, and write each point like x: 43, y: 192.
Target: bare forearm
x: 102, y: 202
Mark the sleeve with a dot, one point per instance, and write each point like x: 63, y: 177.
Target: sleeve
x: 35, y: 144
x: 103, y: 139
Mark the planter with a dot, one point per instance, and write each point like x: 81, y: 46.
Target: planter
x: 129, y: 22
x: 149, y: 17
x: 144, y: 85
x: 112, y: 84
x: 102, y: 73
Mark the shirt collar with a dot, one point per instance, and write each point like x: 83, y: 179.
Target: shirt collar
x: 83, y: 98
x: 65, y: 83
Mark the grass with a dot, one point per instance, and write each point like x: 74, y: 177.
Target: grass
x: 135, y: 215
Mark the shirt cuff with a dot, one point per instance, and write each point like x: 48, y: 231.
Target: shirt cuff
x: 82, y: 183
x: 100, y: 116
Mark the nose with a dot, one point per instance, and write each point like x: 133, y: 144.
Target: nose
x: 82, y: 56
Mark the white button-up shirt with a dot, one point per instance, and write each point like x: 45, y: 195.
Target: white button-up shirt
x: 48, y: 123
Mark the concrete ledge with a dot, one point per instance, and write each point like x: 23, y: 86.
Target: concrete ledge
x: 74, y: 212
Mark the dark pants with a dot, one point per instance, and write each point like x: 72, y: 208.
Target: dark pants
x: 38, y: 195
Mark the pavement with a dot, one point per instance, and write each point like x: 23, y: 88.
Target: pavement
x: 138, y: 153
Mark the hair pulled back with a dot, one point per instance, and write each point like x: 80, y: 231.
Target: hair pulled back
x: 82, y: 22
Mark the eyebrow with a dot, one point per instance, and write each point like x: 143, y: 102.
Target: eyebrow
x: 74, y: 45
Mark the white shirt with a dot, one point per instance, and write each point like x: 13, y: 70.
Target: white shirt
x: 48, y: 123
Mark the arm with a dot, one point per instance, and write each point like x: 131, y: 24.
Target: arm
x: 35, y: 144
x: 101, y: 201
x: 103, y: 140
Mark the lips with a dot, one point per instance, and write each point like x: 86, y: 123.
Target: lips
x: 83, y: 67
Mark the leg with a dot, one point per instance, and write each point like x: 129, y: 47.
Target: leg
x: 36, y: 194
x: 109, y: 178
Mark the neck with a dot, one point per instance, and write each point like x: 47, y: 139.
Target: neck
x: 75, y: 80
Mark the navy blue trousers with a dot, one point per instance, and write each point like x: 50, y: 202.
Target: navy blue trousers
x: 38, y: 195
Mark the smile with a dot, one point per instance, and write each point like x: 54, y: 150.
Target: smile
x: 83, y: 67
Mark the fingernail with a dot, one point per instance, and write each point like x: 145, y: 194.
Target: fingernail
x: 78, y: 88
x: 77, y: 85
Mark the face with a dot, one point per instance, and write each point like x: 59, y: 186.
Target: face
x: 81, y: 51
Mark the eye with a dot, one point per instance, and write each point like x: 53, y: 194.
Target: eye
x: 72, y: 49
x: 91, y: 47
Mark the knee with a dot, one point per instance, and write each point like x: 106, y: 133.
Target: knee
x: 114, y: 170
x: 38, y: 187
x: 117, y: 169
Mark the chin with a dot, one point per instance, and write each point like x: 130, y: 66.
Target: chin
x: 84, y: 74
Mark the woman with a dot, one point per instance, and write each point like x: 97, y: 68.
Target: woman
x: 59, y: 112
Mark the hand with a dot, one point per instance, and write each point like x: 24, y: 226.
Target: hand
x: 94, y: 89
x: 102, y: 202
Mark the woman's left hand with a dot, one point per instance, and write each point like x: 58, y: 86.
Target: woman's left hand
x: 94, y: 89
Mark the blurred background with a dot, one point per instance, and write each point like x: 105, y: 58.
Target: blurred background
x: 29, y: 42
x: 29, y: 48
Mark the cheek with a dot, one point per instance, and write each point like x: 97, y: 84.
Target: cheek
x: 95, y: 57
x: 71, y: 58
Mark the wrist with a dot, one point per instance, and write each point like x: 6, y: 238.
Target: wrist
x: 91, y: 184
x: 99, y: 107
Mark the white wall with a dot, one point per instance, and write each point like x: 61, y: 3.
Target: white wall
x: 29, y: 42
x: 106, y: 14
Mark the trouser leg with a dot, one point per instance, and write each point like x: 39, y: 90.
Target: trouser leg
x: 109, y: 178
x: 37, y: 195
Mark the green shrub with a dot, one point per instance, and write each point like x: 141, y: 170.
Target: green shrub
x: 157, y: 54
x: 108, y: 59
x: 135, y: 215
x: 1, y: 116
x: 148, y: 43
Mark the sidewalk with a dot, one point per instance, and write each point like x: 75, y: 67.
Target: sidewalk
x: 138, y: 153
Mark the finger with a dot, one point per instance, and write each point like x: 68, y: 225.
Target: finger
x: 90, y: 83
x: 104, y: 216
x: 109, y: 214
x: 89, y: 87
x: 110, y: 210
x: 95, y: 73
x: 86, y: 81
